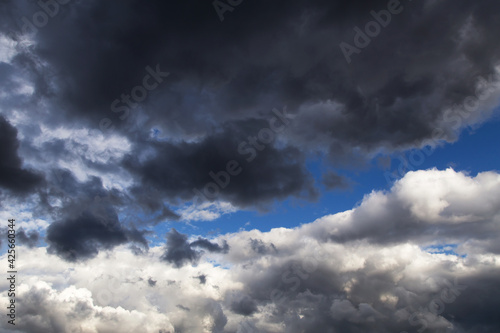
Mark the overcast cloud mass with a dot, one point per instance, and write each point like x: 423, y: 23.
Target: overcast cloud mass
x: 127, y: 127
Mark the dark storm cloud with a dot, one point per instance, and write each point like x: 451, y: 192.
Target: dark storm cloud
x: 241, y: 304
x: 94, y: 58
x: 80, y: 197
x: 149, y: 201
x: 393, y: 93
x: 186, y: 170
x: 211, y: 247
x: 9, y: 86
x: 481, y: 294
x: 12, y: 175
x: 261, y: 248
x: 91, y: 197
x: 82, y: 237
x: 29, y: 239
x: 180, y: 252
x: 303, y: 299
x: 63, y: 185
x: 128, y: 36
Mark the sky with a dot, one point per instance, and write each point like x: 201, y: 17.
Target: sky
x: 237, y: 166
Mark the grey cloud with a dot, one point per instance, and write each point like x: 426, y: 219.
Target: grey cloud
x: 261, y: 248
x: 42, y: 313
x: 241, y: 304
x: 202, y: 278
x: 399, y: 219
x: 183, y: 307
x: 13, y: 176
x: 315, y: 283
x: 214, y: 318
x: 184, y: 170
x: 393, y: 95
x: 30, y: 238
x: 225, y: 78
x: 180, y: 252
x: 211, y: 247
x: 358, y: 281
x: 151, y: 282
x: 82, y: 237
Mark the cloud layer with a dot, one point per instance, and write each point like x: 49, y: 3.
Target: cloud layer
x: 118, y: 117
x: 184, y: 99
x: 432, y: 263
